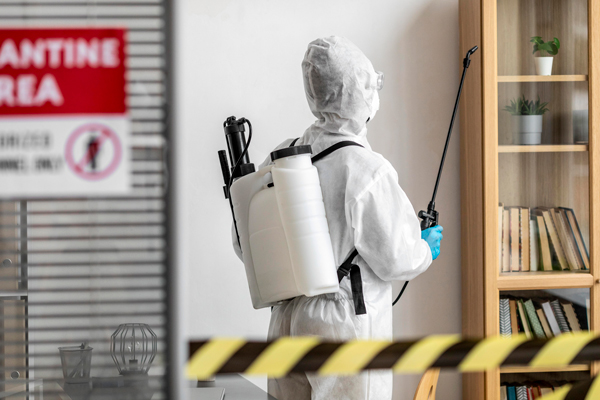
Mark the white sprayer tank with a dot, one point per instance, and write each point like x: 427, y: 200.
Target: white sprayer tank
x: 283, y: 230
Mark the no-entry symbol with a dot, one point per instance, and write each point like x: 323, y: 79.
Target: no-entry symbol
x: 93, y: 151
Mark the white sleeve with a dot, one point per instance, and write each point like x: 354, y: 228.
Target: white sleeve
x: 387, y: 233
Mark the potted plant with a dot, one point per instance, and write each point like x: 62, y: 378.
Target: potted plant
x: 543, y: 63
x: 526, y: 120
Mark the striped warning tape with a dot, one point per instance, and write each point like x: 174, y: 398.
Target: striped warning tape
x: 311, y: 354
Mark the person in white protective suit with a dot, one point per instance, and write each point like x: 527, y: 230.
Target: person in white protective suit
x: 366, y: 209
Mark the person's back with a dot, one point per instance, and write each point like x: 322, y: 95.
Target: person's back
x: 366, y: 210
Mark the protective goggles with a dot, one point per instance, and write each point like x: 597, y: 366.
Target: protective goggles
x: 379, y: 80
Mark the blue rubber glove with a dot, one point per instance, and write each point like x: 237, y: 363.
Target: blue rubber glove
x: 433, y: 236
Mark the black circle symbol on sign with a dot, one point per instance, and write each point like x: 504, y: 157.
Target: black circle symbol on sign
x: 93, y: 151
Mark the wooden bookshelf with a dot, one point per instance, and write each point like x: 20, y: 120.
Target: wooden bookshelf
x: 538, y: 78
x: 494, y: 170
x: 528, y: 370
x: 548, y: 148
x: 544, y: 280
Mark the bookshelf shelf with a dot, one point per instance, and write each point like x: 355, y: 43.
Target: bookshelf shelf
x: 528, y: 370
x: 544, y: 280
x: 550, y: 148
x: 540, y: 78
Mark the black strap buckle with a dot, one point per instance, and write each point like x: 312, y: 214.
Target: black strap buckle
x: 347, y: 269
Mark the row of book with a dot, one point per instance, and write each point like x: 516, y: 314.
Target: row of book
x: 527, y: 391
x: 540, y: 239
x: 541, y: 319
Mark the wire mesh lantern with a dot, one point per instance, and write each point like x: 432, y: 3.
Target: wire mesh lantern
x: 133, y: 348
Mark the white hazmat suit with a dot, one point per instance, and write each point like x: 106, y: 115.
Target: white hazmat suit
x: 366, y: 209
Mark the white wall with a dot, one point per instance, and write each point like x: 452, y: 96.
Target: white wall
x: 243, y: 58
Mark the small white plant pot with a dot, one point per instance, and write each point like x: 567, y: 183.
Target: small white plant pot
x: 543, y: 65
x: 527, y: 129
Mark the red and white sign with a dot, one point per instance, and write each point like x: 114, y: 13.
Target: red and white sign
x: 64, y: 126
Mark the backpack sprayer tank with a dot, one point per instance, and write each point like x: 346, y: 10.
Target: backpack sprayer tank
x: 280, y: 221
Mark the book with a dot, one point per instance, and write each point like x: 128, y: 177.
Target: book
x: 521, y: 392
x: 581, y: 313
x: 534, y: 251
x: 514, y: 324
x: 570, y: 235
x: 560, y: 316
x: 524, y: 224
x: 523, y: 318
x: 534, y: 321
x: 505, y: 328
x: 540, y: 239
x: 565, y: 241
x: 515, y: 239
x: 505, y: 241
x: 551, y: 318
x: 571, y: 317
x: 555, y: 241
x: 512, y: 393
x: 587, y: 311
x: 544, y: 322
x: 531, y: 390
x: 574, y: 225
x: 545, y: 254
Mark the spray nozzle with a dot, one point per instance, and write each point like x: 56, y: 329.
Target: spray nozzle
x: 467, y: 59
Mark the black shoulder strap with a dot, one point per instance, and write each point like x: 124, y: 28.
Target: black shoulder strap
x: 330, y: 149
x: 333, y: 148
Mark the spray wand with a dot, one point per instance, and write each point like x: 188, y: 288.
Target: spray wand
x: 430, y: 217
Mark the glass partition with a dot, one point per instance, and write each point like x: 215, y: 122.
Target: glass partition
x: 543, y: 162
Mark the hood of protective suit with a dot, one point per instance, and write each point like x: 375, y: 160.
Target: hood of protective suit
x: 341, y: 86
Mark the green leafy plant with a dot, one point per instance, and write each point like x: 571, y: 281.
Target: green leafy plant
x: 545, y: 48
x: 522, y: 106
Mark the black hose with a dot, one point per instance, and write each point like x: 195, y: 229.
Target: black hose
x: 400, y: 295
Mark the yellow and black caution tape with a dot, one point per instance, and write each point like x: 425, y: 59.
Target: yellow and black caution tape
x: 311, y: 354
